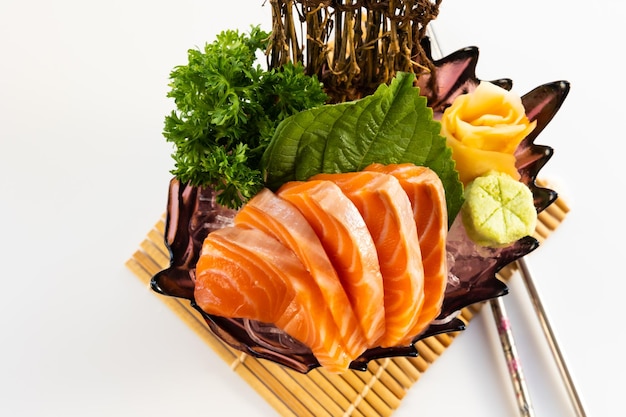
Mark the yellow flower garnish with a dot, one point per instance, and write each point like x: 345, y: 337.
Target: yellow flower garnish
x: 484, y: 128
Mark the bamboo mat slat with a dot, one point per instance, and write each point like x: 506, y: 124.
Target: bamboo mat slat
x: 375, y: 392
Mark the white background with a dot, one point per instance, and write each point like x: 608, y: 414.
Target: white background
x: 84, y: 174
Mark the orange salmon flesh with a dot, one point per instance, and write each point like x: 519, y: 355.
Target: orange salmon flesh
x: 341, y: 262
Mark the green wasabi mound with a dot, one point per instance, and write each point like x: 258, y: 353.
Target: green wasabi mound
x: 498, y: 210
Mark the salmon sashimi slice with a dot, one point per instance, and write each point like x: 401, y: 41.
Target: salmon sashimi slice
x: 349, y: 246
x: 427, y: 195
x: 387, y: 211
x: 270, y: 285
x: 230, y: 283
x: 283, y: 221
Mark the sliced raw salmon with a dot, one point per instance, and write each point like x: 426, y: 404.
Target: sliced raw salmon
x: 246, y: 273
x: 349, y: 245
x: 387, y: 211
x: 427, y: 196
x: 282, y: 220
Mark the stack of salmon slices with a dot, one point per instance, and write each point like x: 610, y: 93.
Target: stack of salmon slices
x: 341, y: 262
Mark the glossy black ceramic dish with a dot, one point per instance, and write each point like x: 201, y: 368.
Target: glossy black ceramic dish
x: 192, y: 213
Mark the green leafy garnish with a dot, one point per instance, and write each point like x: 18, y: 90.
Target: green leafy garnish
x: 227, y: 109
x: 393, y: 125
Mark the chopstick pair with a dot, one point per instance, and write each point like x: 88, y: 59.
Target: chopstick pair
x: 513, y: 361
x: 510, y: 353
x: 505, y: 333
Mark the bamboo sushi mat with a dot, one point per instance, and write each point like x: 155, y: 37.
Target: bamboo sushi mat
x: 375, y: 392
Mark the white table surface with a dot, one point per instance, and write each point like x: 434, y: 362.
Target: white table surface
x: 84, y: 174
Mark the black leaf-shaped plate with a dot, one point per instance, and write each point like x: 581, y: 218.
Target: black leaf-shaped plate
x: 192, y: 213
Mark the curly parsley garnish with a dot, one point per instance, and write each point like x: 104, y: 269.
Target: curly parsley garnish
x: 227, y: 109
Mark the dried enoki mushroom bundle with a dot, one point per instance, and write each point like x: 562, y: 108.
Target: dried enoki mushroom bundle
x: 352, y: 46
